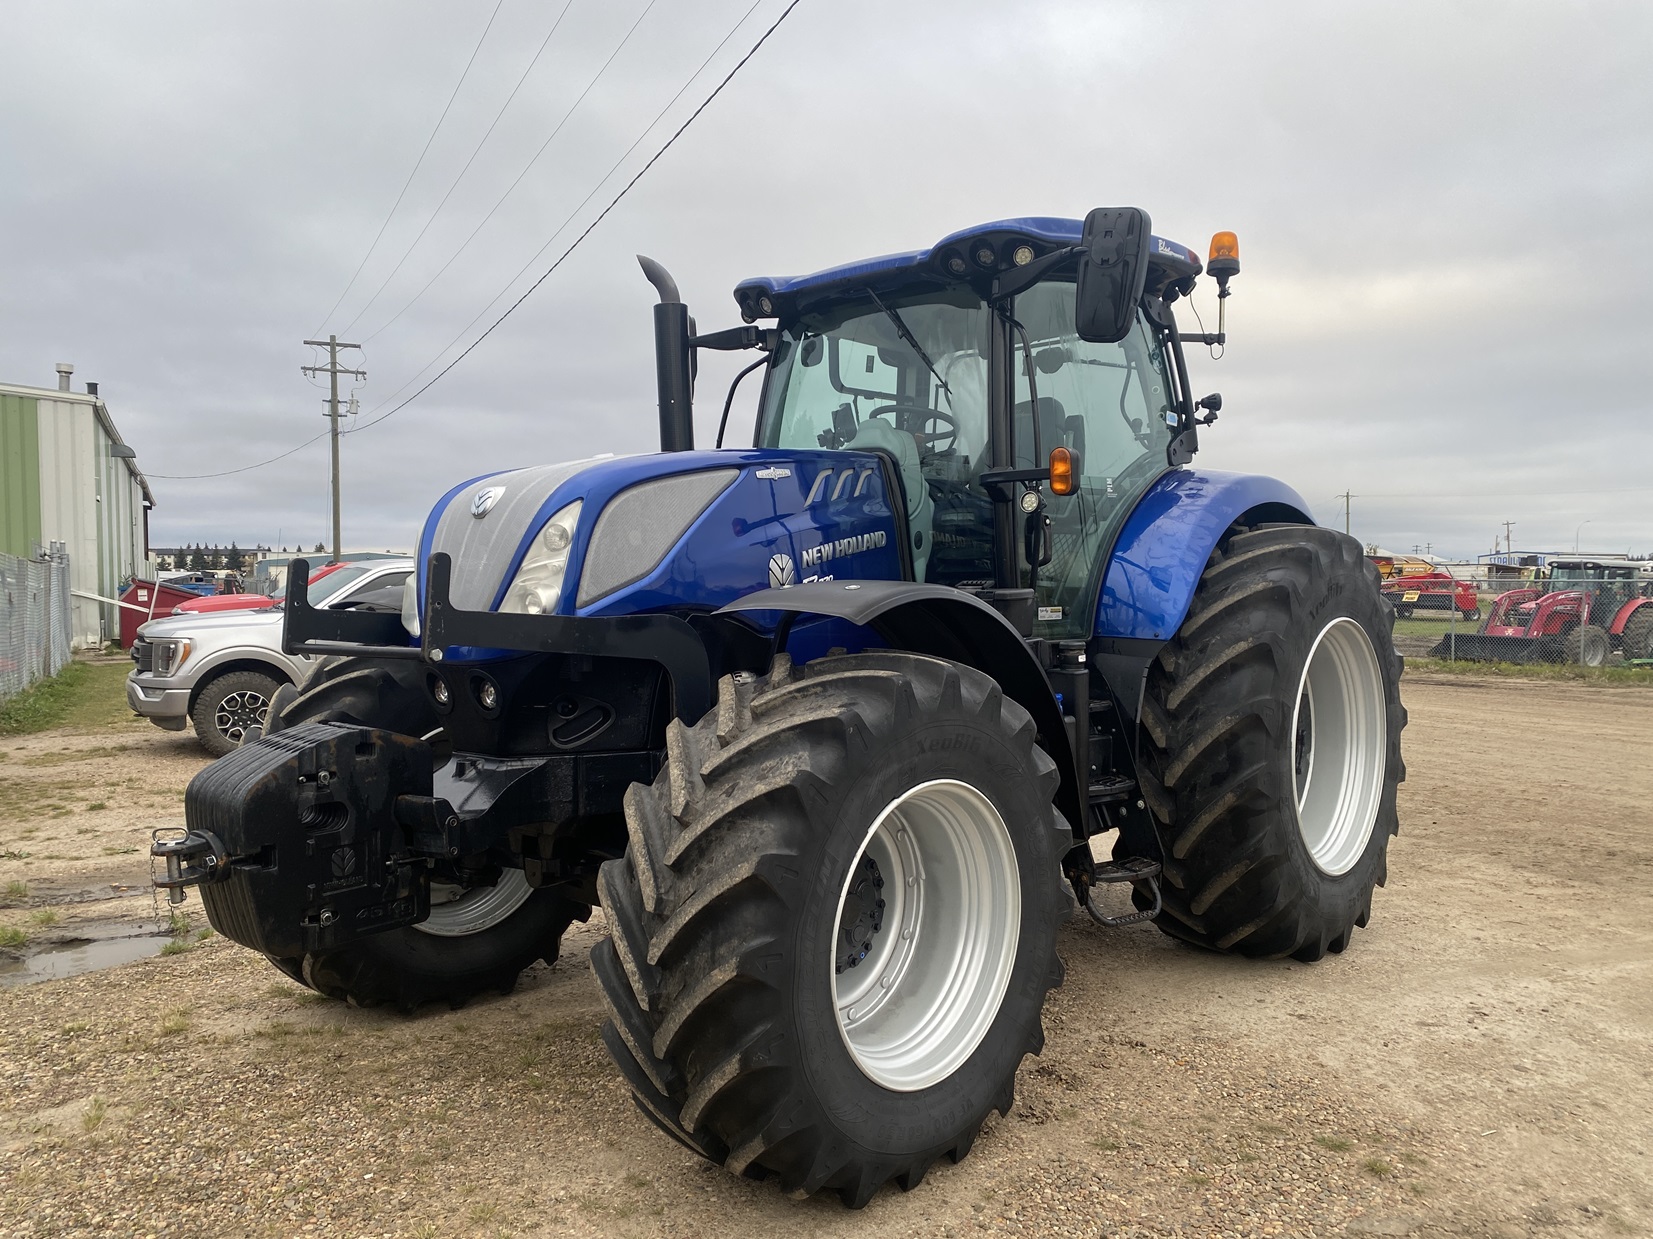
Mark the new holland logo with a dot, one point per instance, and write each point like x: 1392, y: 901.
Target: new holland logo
x: 782, y: 571
x: 815, y: 556
x: 485, y: 500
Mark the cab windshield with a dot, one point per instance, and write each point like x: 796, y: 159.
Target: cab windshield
x: 911, y: 378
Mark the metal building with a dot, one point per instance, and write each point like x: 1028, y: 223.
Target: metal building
x: 67, y: 476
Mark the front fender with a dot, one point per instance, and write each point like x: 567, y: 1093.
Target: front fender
x: 945, y: 623
x: 1165, y: 543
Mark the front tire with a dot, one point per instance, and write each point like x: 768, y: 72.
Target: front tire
x: 1271, y: 758
x: 477, y: 939
x: 1586, y: 646
x: 834, y: 929
x: 230, y: 707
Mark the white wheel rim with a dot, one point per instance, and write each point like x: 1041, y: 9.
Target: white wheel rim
x: 931, y: 966
x: 456, y: 911
x: 1340, y: 744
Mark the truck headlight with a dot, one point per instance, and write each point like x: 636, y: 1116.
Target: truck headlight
x: 170, y: 654
x: 537, y: 586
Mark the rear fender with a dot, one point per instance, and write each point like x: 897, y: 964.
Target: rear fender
x: 1625, y: 612
x: 944, y: 623
x: 1165, y: 543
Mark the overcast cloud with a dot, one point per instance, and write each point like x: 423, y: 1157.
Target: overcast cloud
x: 1443, y: 211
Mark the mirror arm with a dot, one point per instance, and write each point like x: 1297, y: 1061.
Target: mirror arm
x: 1020, y: 279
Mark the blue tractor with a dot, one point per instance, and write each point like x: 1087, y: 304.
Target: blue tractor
x: 828, y: 726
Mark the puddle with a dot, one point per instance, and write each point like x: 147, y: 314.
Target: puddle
x: 101, y: 946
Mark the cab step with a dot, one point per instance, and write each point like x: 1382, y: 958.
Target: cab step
x: 1132, y: 869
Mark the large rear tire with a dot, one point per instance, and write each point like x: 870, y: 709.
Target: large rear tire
x: 1271, y: 748
x: 477, y: 939
x: 834, y: 929
x: 1637, y: 640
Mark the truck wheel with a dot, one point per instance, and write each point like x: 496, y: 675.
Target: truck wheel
x: 1586, y: 646
x: 1637, y: 640
x: 228, y: 707
x: 833, y: 931
x: 1271, y: 746
x: 477, y: 938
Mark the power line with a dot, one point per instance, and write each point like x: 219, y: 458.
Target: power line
x: 224, y: 473
x: 529, y: 165
x: 614, y: 202
x: 572, y: 215
x: 417, y: 164
x: 474, y: 153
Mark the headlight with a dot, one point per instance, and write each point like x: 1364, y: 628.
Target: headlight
x: 170, y: 655
x: 537, y: 586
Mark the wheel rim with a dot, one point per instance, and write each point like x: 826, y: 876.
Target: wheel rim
x: 926, y: 933
x: 237, y: 712
x: 1340, y: 745
x: 456, y: 911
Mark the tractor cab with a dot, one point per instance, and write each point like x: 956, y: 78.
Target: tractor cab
x: 1021, y: 438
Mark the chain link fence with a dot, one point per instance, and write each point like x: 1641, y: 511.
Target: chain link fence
x: 35, y: 618
x: 1567, y: 619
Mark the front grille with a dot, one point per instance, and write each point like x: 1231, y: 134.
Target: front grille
x: 143, y: 653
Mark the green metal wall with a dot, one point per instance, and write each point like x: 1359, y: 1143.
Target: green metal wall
x: 19, y: 474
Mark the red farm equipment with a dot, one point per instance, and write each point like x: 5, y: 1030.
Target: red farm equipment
x: 1583, y: 612
x: 1432, y: 591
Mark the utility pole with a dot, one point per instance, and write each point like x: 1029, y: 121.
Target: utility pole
x: 1509, y: 543
x: 333, y: 370
x: 1345, y: 496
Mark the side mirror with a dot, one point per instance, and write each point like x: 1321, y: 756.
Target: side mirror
x: 1112, y: 273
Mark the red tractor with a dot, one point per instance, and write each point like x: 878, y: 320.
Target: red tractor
x: 1432, y: 591
x: 1586, y: 609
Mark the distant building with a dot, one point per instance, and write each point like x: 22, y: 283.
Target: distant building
x: 67, y: 476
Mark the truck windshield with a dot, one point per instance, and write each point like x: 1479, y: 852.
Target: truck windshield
x: 850, y: 378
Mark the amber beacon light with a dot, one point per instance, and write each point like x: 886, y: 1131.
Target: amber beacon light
x: 1225, y: 258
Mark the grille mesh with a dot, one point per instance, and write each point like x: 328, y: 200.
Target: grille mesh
x: 641, y: 524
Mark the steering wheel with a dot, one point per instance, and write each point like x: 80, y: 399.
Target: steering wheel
x: 942, y: 441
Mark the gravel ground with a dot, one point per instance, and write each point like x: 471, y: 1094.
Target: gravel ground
x: 1476, y: 1064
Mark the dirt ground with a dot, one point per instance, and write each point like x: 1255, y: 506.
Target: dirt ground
x: 1480, y: 1062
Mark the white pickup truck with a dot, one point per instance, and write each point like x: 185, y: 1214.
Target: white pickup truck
x: 219, y: 670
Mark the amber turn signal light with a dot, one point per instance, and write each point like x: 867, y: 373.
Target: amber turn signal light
x: 1064, y: 471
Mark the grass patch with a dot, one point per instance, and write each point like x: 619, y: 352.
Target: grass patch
x: 11, y: 935
x: 1532, y: 671
x: 1335, y: 1143
x: 178, y: 946
x: 17, y: 890
x: 45, y: 918
x: 82, y: 695
x: 1377, y: 1167
x: 94, y: 1115
x: 96, y: 805
x: 175, y: 1022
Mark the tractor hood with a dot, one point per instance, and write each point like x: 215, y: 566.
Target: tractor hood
x: 671, y: 530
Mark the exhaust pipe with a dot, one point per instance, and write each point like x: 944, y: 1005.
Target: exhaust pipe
x: 673, y: 360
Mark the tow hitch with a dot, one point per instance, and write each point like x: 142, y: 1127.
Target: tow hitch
x: 294, y: 840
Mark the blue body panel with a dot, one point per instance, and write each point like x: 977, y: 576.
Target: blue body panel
x: 1164, y: 544
x: 847, y: 533
x: 1054, y: 230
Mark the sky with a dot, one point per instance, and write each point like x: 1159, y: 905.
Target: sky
x: 1442, y: 210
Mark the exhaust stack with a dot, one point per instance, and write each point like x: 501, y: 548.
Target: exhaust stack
x: 673, y: 360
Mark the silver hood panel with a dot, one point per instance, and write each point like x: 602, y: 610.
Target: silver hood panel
x: 482, y: 548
